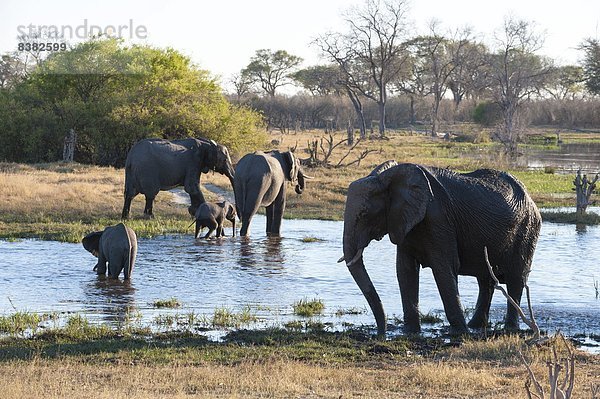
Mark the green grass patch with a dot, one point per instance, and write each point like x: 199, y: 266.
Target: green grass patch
x: 308, y: 307
x: 170, y: 303
x: 225, y: 318
x: 589, y: 218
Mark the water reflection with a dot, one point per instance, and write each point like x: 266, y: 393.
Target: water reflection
x: 265, y: 255
x: 113, y: 299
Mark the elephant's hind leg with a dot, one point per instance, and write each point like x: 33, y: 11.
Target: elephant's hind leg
x: 129, y: 196
x: 484, y: 299
x: 212, y: 225
x: 514, y: 285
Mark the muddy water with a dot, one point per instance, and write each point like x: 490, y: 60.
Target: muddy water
x: 271, y: 274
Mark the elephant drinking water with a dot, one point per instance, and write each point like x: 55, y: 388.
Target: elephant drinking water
x: 442, y: 220
x: 153, y: 165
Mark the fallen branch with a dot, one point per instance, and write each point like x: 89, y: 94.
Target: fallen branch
x: 530, y: 322
x: 558, y: 390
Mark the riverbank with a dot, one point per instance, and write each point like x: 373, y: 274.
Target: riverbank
x: 81, y: 360
x: 65, y: 201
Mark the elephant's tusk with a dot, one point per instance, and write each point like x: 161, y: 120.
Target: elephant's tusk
x: 341, y: 259
x: 307, y: 177
x: 356, y: 258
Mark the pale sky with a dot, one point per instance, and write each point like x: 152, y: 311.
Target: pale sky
x: 222, y: 35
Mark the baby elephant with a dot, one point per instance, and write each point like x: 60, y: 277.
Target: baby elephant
x: 212, y: 215
x: 116, y: 245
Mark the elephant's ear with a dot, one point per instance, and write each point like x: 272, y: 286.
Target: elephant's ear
x: 409, y: 195
x: 206, y: 155
x: 91, y: 242
x: 293, y: 166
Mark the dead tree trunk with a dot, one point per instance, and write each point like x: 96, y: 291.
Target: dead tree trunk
x: 584, y: 189
x: 69, y: 146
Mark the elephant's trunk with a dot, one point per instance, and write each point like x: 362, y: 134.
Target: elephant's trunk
x: 300, y: 185
x: 354, y: 261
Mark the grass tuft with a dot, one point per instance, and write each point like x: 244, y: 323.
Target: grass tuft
x: 171, y: 303
x: 308, y: 308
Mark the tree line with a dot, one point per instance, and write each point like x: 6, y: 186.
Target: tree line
x: 110, y: 95
x: 376, y: 66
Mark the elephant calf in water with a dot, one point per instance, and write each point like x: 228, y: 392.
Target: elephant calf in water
x: 212, y: 215
x: 116, y: 245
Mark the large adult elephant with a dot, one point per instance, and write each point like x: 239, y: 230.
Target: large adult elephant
x: 442, y: 220
x: 260, y: 181
x: 153, y: 165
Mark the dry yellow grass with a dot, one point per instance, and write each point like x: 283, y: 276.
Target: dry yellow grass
x: 69, y: 192
x: 424, y: 378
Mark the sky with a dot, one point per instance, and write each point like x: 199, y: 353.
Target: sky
x: 222, y: 35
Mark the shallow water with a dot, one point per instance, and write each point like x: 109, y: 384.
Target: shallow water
x: 566, y: 158
x: 271, y: 274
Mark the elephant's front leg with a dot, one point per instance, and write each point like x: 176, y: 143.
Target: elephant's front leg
x: 148, y: 208
x: 269, y: 214
x: 100, y: 267
x: 277, y: 215
x: 447, y: 283
x: 407, y: 272
x: 196, y: 197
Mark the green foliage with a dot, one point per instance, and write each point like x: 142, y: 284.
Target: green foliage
x: 486, y: 113
x: 223, y: 317
x: 113, y: 95
x: 271, y: 69
x: 591, y: 64
x: 308, y: 308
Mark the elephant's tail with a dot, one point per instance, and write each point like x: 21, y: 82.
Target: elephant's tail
x: 130, y: 255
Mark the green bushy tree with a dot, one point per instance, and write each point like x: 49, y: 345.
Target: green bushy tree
x: 113, y: 95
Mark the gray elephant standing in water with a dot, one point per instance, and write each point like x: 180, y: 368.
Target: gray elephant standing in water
x: 212, y: 215
x: 153, y: 165
x: 260, y: 181
x: 116, y: 245
x: 442, y: 220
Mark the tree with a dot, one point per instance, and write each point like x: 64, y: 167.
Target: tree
x: 271, y: 70
x: 242, y: 85
x: 440, y: 56
x: 516, y: 73
x: 470, y: 76
x: 412, y: 81
x: 320, y: 80
x: 12, y: 70
x: 565, y: 82
x: 591, y: 64
x: 370, y: 54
